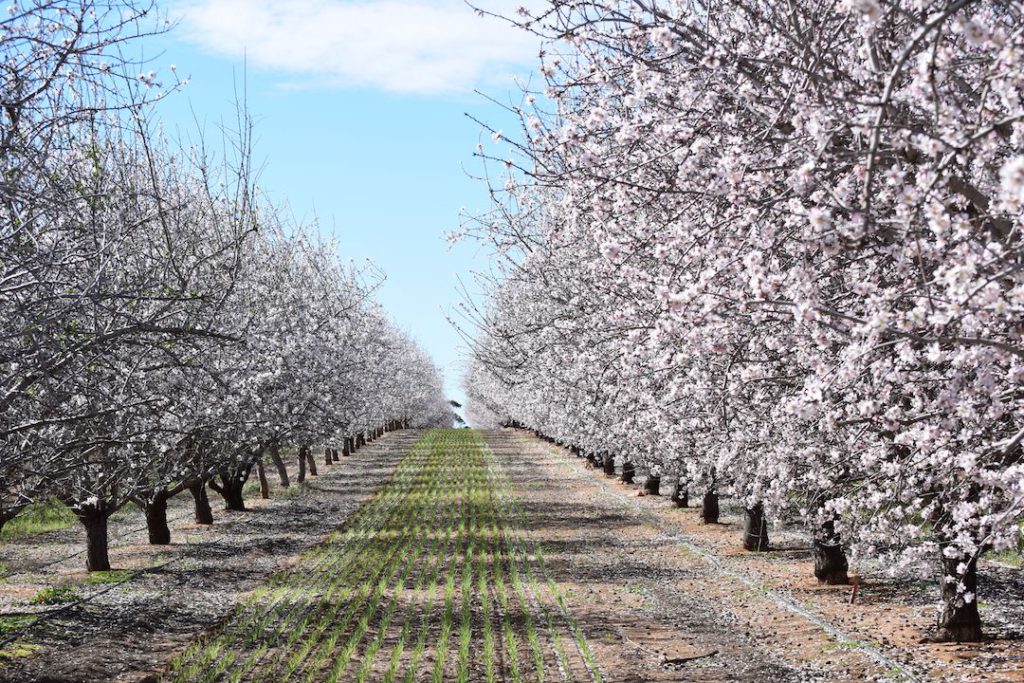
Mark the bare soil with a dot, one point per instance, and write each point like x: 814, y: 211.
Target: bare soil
x: 643, y: 562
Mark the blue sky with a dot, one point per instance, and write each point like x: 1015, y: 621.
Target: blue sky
x: 360, y: 111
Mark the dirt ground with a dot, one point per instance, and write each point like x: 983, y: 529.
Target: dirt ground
x: 656, y: 595
x: 124, y: 631
x: 656, y: 579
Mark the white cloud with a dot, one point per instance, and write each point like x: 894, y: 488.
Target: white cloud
x: 413, y: 46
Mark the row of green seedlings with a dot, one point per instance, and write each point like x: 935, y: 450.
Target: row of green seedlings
x: 432, y: 503
x: 409, y: 492
x: 445, y: 448
x: 427, y: 581
x: 474, y: 480
x: 486, y: 542
x: 379, y: 573
x: 271, y: 611
x: 362, y: 606
x: 302, y: 651
x: 492, y: 511
x: 525, y: 544
x: 489, y: 544
x: 268, y: 606
x: 472, y: 483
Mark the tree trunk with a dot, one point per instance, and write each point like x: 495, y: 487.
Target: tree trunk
x: 346, y: 447
x: 327, y: 457
x: 95, y: 522
x: 156, y: 519
x: 233, y: 499
x: 301, y: 477
x: 709, y: 508
x: 334, y: 455
x: 204, y: 515
x: 755, y: 528
x: 609, y: 464
x: 652, y: 485
x: 830, y: 563
x: 680, y: 496
x: 312, y: 462
x: 264, y: 484
x: 628, y: 472
x: 230, y: 489
x: 282, y: 470
x: 959, y: 621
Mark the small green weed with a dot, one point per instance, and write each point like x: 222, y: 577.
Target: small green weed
x: 56, y: 595
x: 112, y: 576
x: 15, y: 622
x: 18, y: 651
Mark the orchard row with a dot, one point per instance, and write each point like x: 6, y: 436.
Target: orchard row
x: 164, y: 324
x: 776, y: 251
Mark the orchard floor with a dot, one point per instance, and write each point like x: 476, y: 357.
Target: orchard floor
x: 160, y: 598
x: 578, y: 578
x: 697, y: 583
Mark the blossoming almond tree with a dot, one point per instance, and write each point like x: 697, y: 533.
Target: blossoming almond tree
x: 797, y: 229
x: 163, y: 325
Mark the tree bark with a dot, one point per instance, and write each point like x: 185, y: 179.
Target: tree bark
x: 609, y: 464
x: 652, y: 485
x: 628, y: 472
x: 230, y: 489
x: 709, y: 511
x: 156, y: 519
x: 755, y: 528
x: 312, y: 462
x: 262, y: 474
x: 830, y: 563
x: 95, y: 522
x: 204, y: 515
x: 680, y: 496
x: 959, y: 621
x: 327, y: 457
x: 282, y: 470
x: 301, y: 477
x: 346, y: 447
x: 334, y: 455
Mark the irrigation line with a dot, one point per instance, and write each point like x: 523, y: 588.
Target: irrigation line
x: 715, y: 562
